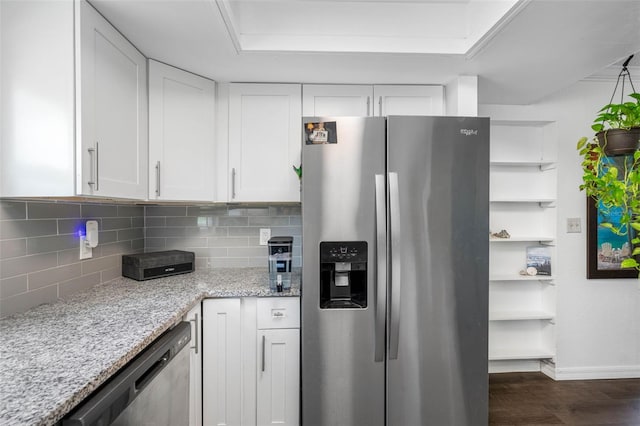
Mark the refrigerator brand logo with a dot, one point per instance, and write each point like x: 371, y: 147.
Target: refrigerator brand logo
x: 468, y: 132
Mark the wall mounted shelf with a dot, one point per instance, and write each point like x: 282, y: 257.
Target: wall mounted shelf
x: 520, y: 315
x: 523, y: 191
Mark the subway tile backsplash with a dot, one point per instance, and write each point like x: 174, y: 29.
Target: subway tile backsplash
x: 222, y: 236
x: 39, y: 248
x: 39, y: 245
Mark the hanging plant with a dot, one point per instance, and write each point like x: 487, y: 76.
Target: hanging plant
x: 611, y: 167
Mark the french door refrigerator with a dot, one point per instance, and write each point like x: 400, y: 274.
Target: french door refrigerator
x: 395, y: 271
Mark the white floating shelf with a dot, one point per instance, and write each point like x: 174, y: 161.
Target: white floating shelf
x: 516, y: 277
x: 543, y: 165
x: 519, y: 239
x: 524, y: 200
x: 519, y: 353
x: 520, y: 315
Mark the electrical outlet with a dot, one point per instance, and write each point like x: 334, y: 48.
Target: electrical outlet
x: 574, y: 225
x: 86, y: 252
x: 265, y: 234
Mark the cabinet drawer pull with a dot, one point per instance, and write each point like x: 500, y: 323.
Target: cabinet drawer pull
x: 278, y: 313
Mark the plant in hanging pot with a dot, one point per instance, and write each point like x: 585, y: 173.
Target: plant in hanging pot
x: 614, y: 184
x: 611, y: 169
x: 617, y: 127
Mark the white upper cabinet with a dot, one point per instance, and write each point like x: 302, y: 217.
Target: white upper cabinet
x: 112, y: 97
x: 77, y: 126
x: 37, y: 101
x: 408, y: 100
x: 181, y: 135
x: 264, y: 142
x: 320, y: 100
x: 366, y: 100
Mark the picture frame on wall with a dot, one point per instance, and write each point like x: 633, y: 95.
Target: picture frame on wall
x: 605, y: 250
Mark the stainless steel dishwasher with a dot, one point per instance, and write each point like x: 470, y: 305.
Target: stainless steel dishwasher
x: 152, y: 390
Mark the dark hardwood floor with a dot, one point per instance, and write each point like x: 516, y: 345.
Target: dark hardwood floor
x: 535, y: 399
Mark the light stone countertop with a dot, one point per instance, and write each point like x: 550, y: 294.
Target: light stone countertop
x: 55, y: 355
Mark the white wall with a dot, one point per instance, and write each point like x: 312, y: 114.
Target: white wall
x: 598, y: 321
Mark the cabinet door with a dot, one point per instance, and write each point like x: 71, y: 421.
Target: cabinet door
x: 112, y: 111
x: 221, y: 372
x: 264, y: 142
x: 326, y: 100
x: 37, y: 99
x: 195, y: 366
x: 278, y: 377
x: 408, y: 100
x: 181, y: 135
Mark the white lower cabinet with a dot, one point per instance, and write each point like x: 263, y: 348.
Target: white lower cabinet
x: 251, y: 361
x: 195, y: 366
x: 279, y: 377
x: 221, y: 372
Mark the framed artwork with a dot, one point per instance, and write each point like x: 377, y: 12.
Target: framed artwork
x: 605, y: 250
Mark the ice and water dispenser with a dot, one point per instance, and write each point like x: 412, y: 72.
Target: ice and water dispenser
x: 343, y: 275
x: 280, y: 256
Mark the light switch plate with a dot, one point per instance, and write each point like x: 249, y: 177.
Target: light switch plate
x: 574, y: 225
x: 265, y: 234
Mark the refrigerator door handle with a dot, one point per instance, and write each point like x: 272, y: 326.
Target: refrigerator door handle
x: 381, y: 271
x: 394, y: 307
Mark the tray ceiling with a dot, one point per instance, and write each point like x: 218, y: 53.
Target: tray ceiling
x: 427, y: 27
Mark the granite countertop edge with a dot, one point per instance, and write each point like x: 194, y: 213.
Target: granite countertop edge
x: 36, y: 365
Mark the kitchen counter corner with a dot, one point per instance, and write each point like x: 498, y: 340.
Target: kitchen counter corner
x: 55, y: 355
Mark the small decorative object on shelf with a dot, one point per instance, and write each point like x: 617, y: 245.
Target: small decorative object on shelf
x: 538, y: 260
x: 611, y: 178
x: 501, y: 234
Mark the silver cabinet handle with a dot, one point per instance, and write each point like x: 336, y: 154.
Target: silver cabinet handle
x: 91, y: 180
x: 380, y: 106
x: 233, y: 183
x: 394, y: 213
x: 368, y: 105
x: 158, y: 179
x: 97, y: 166
x: 195, y: 323
x: 94, y: 174
x: 381, y: 272
x: 264, y: 338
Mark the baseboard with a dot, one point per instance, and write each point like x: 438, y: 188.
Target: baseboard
x: 588, y: 373
x: 513, y: 366
x: 548, y: 367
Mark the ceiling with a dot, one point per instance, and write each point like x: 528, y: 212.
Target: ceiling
x: 521, y: 50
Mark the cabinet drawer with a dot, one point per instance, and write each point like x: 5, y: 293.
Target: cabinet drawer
x: 278, y: 312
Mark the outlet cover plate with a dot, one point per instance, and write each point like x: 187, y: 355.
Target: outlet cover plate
x: 265, y: 234
x: 86, y: 252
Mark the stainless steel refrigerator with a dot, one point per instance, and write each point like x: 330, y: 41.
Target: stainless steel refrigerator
x: 395, y: 271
